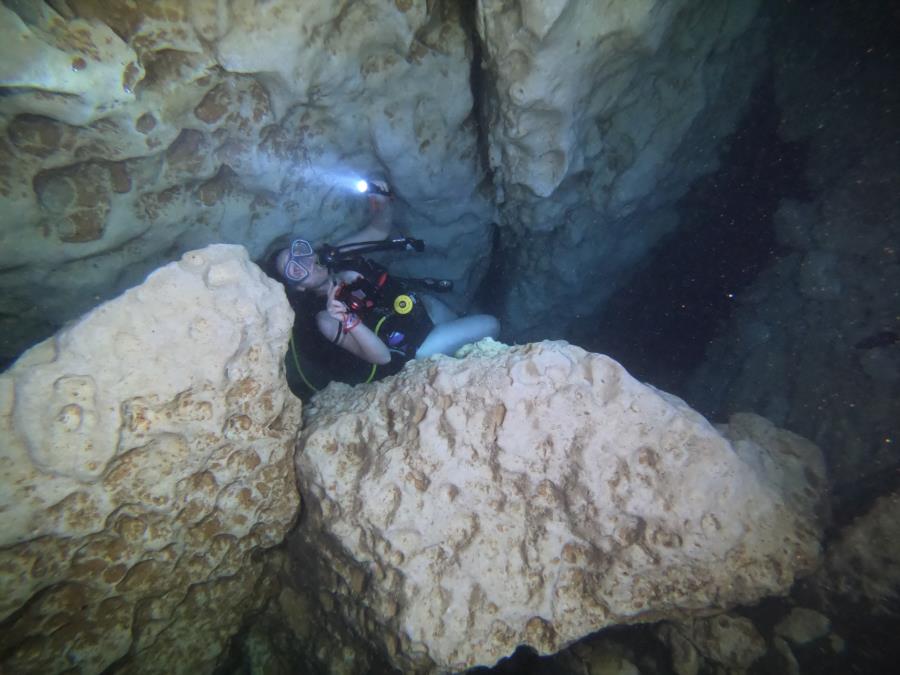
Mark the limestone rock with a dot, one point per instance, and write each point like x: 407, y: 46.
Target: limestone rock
x: 535, y: 495
x: 803, y: 625
x: 730, y: 642
x: 289, y: 637
x: 788, y: 662
x: 146, y: 460
x: 686, y: 659
x: 598, y: 657
x: 862, y: 565
x: 597, y: 120
x: 131, y: 133
x: 826, y: 374
x: 545, y: 119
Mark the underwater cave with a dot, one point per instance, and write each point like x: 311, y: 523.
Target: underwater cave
x: 614, y: 388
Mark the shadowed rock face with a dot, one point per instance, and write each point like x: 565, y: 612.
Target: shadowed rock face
x: 596, y: 122
x: 147, y: 455
x: 812, y: 344
x: 535, y: 494
x: 862, y: 563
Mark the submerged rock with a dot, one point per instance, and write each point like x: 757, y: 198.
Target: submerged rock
x: 730, y: 642
x: 803, y: 625
x: 147, y: 459
x: 597, y: 119
x: 535, y: 494
x: 862, y: 565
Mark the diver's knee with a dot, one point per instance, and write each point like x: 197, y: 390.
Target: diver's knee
x: 493, y: 326
x: 488, y: 326
x: 438, y: 310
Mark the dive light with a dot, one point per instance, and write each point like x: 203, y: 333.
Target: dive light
x: 374, y: 188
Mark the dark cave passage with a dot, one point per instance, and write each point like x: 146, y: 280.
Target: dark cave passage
x: 659, y: 325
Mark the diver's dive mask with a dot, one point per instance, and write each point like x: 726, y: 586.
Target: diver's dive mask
x: 302, y: 258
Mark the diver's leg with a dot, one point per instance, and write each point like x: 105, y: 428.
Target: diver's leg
x: 437, y: 309
x: 447, y: 338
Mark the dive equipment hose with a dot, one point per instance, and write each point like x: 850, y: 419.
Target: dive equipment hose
x: 297, y: 364
x: 303, y: 376
x: 375, y: 365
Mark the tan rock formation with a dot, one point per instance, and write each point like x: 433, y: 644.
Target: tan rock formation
x: 536, y: 494
x: 146, y: 460
x: 132, y: 132
x: 731, y: 643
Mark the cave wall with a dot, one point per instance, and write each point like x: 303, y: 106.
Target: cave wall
x: 596, y: 123
x: 132, y: 135
x: 129, y: 135
x: 130, y: 138
x: 813, y: 343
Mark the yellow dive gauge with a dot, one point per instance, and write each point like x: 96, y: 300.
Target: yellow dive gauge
x: 403, y: 304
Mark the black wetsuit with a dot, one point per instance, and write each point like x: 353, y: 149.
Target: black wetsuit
x: 397, y: 316
x: 320, y: 357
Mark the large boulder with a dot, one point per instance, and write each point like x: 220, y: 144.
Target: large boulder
x: 535, y: 494
x: 147, y: 459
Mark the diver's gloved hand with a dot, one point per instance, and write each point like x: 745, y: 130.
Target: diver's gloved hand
x: 380, y: 196
x: 336, y: 309
x: 380, y: 187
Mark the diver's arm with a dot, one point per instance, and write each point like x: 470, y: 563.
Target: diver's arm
x: 360, y: 341
x: 379, y: 227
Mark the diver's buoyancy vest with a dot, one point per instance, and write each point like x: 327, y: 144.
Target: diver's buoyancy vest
x: 397, y: 314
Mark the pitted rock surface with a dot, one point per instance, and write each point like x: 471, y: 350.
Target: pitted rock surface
x: 535, y: 494
x: 133, y: 132
x: 730, y: 643
x: 147, y: 130
x: 597, y: 120
x: 147, y: 459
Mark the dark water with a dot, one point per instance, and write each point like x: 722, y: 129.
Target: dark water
x: 683, y: 293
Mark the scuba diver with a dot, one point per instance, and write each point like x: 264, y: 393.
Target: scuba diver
x: 380, y: 319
